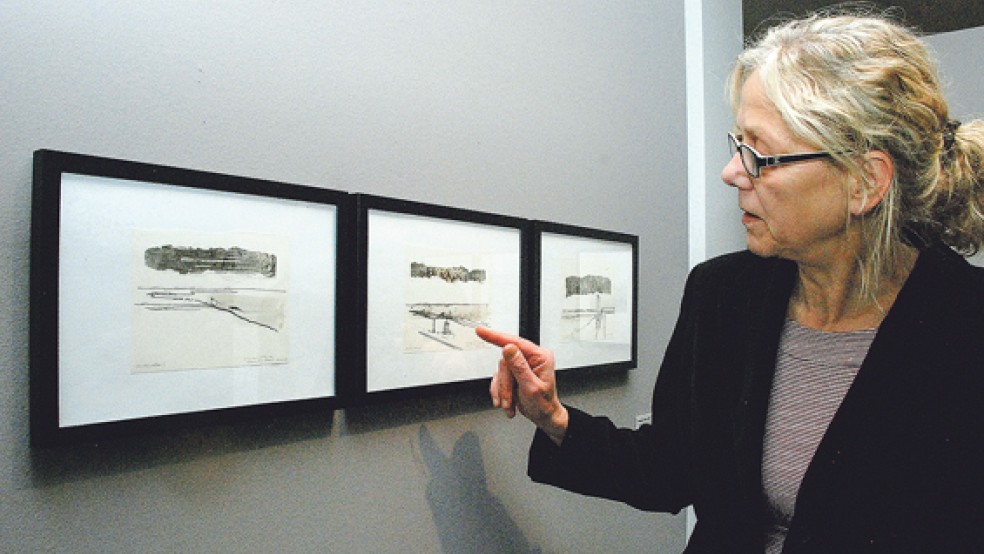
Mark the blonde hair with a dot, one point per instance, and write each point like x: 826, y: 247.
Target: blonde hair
x: 853, y: 83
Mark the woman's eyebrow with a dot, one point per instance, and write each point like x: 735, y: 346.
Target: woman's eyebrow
x: 759, y: 138
x: 747, y: 135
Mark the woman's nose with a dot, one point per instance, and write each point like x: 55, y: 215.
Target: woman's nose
x: 734, y: 173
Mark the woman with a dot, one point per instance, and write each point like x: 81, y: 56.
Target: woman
x: 823, y: 391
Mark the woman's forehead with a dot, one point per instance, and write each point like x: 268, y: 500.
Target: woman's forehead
x: 757, y: 116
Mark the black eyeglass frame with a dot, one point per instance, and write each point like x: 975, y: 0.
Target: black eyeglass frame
x: 738, y: 147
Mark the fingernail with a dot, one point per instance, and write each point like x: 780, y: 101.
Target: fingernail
x: 510, y: 350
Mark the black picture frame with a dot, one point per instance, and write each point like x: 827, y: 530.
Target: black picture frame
x: 409, y: 300
x: 585, y: 290
x: 236, y: 273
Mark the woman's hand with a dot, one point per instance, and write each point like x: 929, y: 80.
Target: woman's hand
x: 524, y: 381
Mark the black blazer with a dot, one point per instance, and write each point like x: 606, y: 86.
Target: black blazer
x: 900, y: 469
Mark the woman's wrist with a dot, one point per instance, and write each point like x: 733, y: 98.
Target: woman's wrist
x: 556, y: 428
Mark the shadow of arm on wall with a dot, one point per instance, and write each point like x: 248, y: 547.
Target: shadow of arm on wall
x: 468, y: 517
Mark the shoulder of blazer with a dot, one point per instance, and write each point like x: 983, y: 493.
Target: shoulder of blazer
x: 743, y: 275
x: 943, y: 285
x: 954, y: 275
x: 933, y: 335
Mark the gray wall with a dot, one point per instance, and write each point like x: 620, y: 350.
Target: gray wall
x: 568, y: 111
x: 961, y: 57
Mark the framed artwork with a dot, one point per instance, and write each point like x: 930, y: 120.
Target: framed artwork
x: 586, y: 298
x: 430, y: 275
x: 161, y: 296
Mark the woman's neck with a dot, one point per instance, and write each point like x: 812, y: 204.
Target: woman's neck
x: 829, y: 298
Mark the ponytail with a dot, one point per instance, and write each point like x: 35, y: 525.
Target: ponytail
x: 958, y: 209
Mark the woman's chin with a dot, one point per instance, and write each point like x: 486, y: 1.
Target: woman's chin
x: 759, y: 247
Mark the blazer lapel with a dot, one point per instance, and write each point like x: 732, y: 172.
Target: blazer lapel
x: 890, y: 384
x: 766, y: 313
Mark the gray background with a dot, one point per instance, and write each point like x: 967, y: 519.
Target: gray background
x: 567, y: 111
x: 551, y: 110
x: 930, y: 16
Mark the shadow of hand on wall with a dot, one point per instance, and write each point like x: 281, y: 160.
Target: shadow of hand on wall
x: 468, y: 517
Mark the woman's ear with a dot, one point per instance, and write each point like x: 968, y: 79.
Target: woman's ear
x: 879, y: 170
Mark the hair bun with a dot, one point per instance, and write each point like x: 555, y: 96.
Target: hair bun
x: 949, y: 134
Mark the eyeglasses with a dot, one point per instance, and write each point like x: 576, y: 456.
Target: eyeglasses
x: 754, y: 162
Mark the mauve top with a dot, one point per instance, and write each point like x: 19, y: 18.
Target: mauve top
x: 814, y: 369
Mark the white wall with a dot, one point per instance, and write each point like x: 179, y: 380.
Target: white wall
x: 714, y: 39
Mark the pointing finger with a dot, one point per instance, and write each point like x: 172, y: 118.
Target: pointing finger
x: 502, y: 339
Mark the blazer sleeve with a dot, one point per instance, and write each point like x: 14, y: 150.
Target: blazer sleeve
x: 648, y: 468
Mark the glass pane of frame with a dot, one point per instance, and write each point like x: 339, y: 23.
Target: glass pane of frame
x: 587, y: 291
x: 431, y: 274
x: 160, y: 292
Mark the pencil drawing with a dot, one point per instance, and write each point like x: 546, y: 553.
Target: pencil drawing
x: 220, y: 260
x: 450, y: 274
x: 587, y: 307
x: 184, y: 300
x: 444, y: 301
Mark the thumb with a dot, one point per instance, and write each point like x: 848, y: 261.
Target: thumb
x: 517, y: 364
